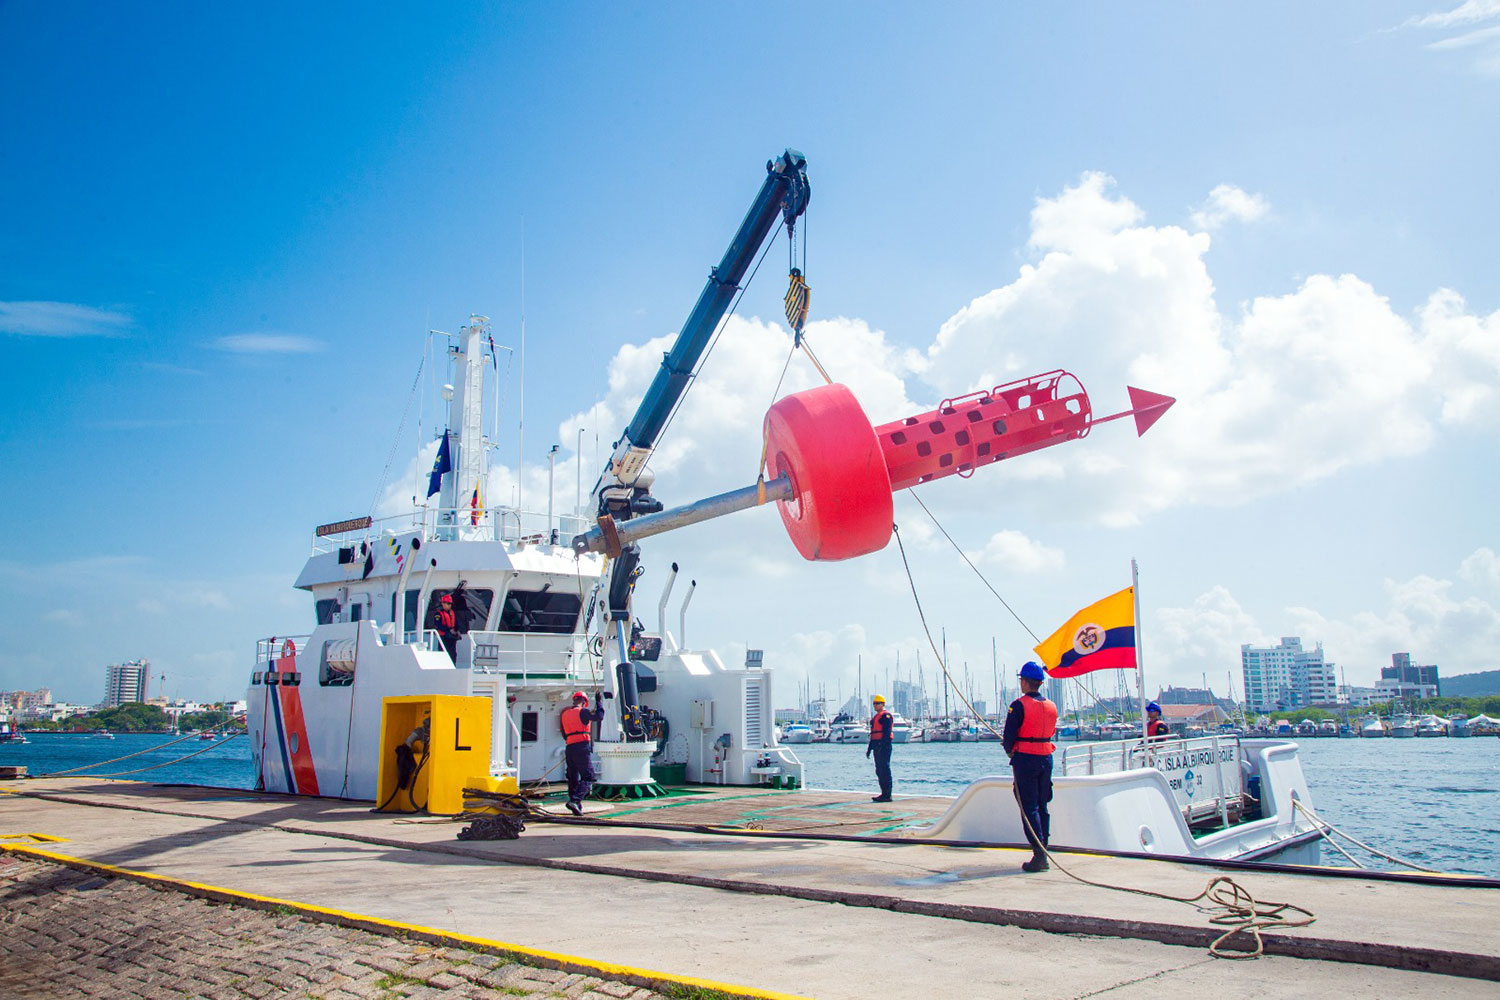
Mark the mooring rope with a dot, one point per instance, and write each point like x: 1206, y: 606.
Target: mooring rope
x: 116, y: 760
x: 1360, y: 843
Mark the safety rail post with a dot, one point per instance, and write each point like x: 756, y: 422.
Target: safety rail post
x: 1223, y: 791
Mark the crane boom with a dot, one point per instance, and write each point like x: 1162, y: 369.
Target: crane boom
x: 784, y: 194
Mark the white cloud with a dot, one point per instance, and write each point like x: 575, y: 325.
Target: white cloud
x: 1018, y: 553
x: 268, y: 343
x: 1227, y: 202
x: 1484, y: 42
x: 60, y: 319
x: 1297, y: 387
x: 1205, y: 637
x: 1482, y: 568
x: 1468, y: 12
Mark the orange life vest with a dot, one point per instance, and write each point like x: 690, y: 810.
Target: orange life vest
x: 880, y: 727
x: 1158, y: 728
x: 1038, y: 725
x: 575, y: 730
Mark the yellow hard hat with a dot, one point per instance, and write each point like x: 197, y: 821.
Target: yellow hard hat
x: 879, y: 698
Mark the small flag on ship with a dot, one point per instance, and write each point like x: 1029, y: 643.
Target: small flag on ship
x: 1100, y: 637
x: 475, y: 507
x: 442, y: 464
x: 797, y: 300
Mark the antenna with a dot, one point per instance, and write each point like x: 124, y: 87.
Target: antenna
x: 521, y: 405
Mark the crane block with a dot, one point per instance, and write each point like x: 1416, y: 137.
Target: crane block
x: 841, y: 503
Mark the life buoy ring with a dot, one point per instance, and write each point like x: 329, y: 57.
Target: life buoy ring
x: 288, y: 649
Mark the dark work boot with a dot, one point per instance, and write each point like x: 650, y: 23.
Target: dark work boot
x: 575, y: 808
x: 881, y: 798
x: 1038, y: 862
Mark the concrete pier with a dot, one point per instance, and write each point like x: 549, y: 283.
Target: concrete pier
x: 790, y: 916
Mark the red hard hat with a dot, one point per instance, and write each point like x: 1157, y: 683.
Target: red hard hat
x: 446, y: 599
x: 580, y: 696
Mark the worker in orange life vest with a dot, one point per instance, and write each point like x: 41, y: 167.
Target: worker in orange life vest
x: 577, y: 728
x: 1155, y: 728
x: 880, y: 747
x: 1029, y: 727
x: 446, y: 623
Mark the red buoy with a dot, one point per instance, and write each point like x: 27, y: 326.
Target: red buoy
x: 841, y: 501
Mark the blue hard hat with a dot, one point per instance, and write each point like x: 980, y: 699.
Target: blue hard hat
x: 1032, y: 671
x: 1153, y: 707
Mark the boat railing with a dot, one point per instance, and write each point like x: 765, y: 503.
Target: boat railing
x: 426, y: 638
x: 488, y: 524
x: 520, y: 654
x: 274, y: 647
x: 1203, y: 772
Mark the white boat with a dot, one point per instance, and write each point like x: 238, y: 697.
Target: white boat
x: 1429, y: 726
x: 1328, y: 728
x: 1372, y: 726
x: 850, y: 732
x: 940, y: 731
x: 1213, y: 798
x: 104, y: 734
x: 1483, y: 725
x: 1403, y: 727
x: 821, y: 730
x: 901, y: 730
x: 797, y: 733
x: 524, y: 638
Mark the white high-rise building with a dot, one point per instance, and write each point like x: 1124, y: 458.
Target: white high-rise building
x: 1286, y: 676
x: 125, y: 682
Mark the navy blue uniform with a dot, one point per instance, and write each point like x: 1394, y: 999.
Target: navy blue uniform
x: 1031, y: 775
x: 880, y: 749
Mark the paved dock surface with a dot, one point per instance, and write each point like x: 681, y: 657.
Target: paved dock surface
x: 74, y: 934
x: 799, y: 917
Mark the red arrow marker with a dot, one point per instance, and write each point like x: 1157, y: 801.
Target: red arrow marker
x: 1147, y: 408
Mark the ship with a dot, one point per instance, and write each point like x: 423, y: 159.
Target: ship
x: 520, y: 609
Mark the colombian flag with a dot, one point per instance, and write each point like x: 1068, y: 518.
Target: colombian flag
x: 1100, y: 637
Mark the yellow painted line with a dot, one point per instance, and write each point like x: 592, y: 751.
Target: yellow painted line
x: 39, y: 838
x: 649, y: 978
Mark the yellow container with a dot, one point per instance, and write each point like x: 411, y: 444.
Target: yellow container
x: 456, y: 748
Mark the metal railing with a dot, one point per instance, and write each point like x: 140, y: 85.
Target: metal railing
x: 505, y: 524
x: 270, y: 648
x: 521, y: 654
x: 1206, y: 763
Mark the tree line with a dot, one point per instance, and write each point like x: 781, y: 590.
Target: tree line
x: 138, y: 717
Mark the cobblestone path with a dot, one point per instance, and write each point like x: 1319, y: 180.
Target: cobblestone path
x: 70, y: 933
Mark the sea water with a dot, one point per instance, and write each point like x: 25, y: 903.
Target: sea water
x: 1433, y: 801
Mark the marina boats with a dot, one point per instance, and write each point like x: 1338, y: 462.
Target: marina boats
x: 821, y: 730
x: 1372, y: 727
x: 1403, y: 727
x: 9, y: 734
x: 1327, y: 728
x: 538, y: 612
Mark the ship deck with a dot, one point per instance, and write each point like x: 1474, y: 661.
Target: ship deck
x: 774, y: 911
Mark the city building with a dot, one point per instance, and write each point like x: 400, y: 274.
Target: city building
x: 125, y: 683
x: 1403, y: 673
x: 1286, y: 676
x: 1359, y: 697
x: 1179, y: 718
x: 25, y: 705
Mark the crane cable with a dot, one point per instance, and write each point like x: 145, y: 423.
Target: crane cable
x: 1243, y: 913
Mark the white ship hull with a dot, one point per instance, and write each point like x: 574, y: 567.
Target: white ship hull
x: 1139, y: 809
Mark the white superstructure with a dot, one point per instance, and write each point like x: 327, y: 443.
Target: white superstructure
x: 530, y: 614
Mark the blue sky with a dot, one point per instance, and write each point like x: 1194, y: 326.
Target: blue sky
x: 227, y: 229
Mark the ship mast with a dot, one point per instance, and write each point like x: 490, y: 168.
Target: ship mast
x: 466, y: 430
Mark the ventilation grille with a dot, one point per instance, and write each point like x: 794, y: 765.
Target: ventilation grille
x: 753, y: 724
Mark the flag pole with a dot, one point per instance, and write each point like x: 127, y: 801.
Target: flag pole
x: 1140, y: 665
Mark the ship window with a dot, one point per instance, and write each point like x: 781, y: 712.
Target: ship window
x: 528, y: 727
x: 326, y: 610
x: 548, y: 611
x: 469, y: 614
